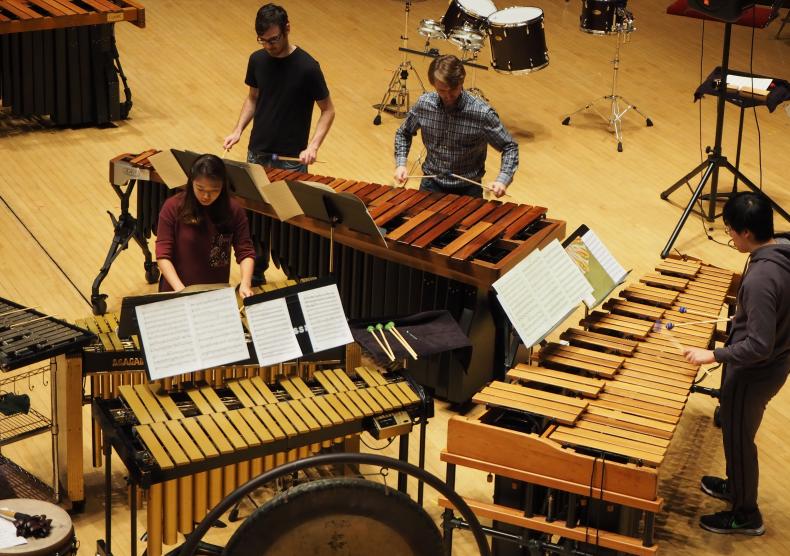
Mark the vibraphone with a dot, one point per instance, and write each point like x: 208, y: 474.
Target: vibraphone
x: 111, y: 362
x: 60, y: 59
x: 576, y: 440
x: 444, y: 252
x: 28, y: 336
x: 191, y: 448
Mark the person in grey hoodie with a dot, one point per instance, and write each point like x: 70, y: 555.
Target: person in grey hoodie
x: 756, y: 358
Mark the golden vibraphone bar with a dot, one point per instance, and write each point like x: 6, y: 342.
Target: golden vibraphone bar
x: 577, y: 437
x: 111, y: 362
x: 58, y: 58
x: 444, y: 252
x: 191, y: 448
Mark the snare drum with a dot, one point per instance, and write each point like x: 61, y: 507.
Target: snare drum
x: 603, y: 17
x: 517, y: 39
x: 60, y: 541
x: 471, y: 12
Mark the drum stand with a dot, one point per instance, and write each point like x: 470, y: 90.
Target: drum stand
x: 615, y: 100
x: 396, y: 99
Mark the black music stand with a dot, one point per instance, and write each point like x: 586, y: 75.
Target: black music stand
x: 753, y: 17
x: 322, y: 203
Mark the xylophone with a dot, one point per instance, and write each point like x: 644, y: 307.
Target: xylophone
x: 193, y: 447
x: 110, y: 362
x: 577, y: 438
x: 444, y: 252
x: 59, y: 59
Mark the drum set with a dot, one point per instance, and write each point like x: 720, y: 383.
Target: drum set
x: 515, y: 35
x: 609, y: 17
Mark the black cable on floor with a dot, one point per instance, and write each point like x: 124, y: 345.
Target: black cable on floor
x: 44, y: 249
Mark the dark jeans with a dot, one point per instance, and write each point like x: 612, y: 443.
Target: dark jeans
x: 742, y: 408
x: 262, y: 250
x: 429, y: 184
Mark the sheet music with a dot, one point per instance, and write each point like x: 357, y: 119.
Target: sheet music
x: 272, y: 332
x: 567, y: 273
x: 324, y: 318
x: 191, y: 333
x: 749, y: 81
x: 168, y: 168
x: 521, y: 303
x: 604, y: 256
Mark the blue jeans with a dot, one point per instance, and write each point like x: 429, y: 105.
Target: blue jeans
x: 429, y: 184
x: 266, y: 159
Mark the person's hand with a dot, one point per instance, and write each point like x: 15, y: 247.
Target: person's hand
x: 498, y: 188
x: 401, y: 173
x: 309, y: 155
x: 231, y: 140
x: 698, y: 356
x: 245, y: 290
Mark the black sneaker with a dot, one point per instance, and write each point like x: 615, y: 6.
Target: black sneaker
x: 716, y: 487
x: 733, y: 522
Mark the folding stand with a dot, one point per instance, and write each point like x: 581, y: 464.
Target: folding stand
x: 753, y: 17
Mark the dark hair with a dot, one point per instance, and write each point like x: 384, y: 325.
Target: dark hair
x: 192, y: 212
x: 447, y: 69
x: 750, y: 211
x: 268, y: 15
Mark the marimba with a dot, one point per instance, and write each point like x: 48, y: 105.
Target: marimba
x: 576, y: 439
x: 59, y: 59
x: 191, y: 448
x: 444, y: 252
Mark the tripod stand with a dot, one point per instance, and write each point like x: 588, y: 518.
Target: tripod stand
x: 715, y: 161
x: 616, y: 113
x: 396, y: 99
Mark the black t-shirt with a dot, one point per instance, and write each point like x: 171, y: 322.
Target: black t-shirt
x: 288, y: 88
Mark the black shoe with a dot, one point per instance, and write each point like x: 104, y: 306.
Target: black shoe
x: 258, y: 280
x: 716, y: 487
x: 733, y: 522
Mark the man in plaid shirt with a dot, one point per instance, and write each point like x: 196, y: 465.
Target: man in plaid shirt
x: 456, y: 131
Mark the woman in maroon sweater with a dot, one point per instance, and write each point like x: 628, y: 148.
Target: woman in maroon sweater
x: 197, y: 228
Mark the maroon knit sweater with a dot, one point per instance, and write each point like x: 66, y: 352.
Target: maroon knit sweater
x: 200, y: 254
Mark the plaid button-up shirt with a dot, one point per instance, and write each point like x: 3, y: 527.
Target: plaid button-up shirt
x: 457, y: 139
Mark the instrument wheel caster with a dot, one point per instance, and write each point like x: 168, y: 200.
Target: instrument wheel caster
x: 152, y: 274
x: 649, y: 122
x: 377, y: 120
x: 99, y: 305
x: 566, y: 120
x: 619, y: 147
x: 717, y: 416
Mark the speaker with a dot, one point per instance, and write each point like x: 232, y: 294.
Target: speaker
x: 725, y: 10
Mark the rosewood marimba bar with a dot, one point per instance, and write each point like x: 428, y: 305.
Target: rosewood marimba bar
x: 444, y: 252
x: 192, y: 448
x: 576, y: 440
x: 58, y: 59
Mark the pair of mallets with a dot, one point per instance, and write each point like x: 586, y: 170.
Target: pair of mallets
x: 384, y: 343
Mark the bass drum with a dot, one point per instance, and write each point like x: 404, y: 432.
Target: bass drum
x: 60, y: 541
x: 338, y: 517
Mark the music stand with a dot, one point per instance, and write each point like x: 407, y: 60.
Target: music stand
x: 752, y: 17
x: 322, y: 203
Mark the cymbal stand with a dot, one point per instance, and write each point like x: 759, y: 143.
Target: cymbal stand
x: 396, y: 100
x: 616, y: 113
x: 475, y: 91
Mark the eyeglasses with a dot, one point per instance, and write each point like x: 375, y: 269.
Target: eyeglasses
x: 271, y: 42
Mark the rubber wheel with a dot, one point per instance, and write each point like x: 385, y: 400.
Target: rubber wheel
x: 338, y: 517
x: 152, y: 275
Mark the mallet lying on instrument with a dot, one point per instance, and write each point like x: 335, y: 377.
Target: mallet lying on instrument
x: 669, y: 325
x: 391, y: 327
x: 36, y: 526
x: 385, y: 350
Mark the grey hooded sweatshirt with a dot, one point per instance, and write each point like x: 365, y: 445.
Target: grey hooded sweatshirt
x: 759, y: 341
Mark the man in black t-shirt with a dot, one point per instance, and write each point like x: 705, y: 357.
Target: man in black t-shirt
x: 285, y: 82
